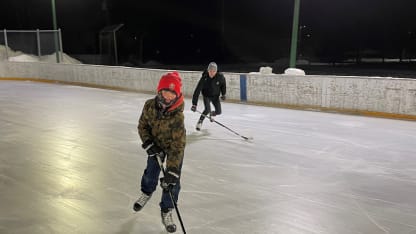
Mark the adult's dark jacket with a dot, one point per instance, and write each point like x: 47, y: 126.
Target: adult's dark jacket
x: 210, y: 87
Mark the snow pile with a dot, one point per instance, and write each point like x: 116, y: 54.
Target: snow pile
x: 24, y: 58
x: 10, y: 52
x: 17, y: 56
x: 294, y: 72
x: 65, y: 59
x: 264, y: 71
x: 2, y: 52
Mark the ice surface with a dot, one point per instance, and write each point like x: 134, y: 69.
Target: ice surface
x: 70, y: 162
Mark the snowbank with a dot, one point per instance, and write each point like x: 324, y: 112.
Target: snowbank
x: 294, y: 72
x: 17, y: 56
x: 10, y: 52
x: 264, y: 71
x: 65, y: 59
x: 24, y: 58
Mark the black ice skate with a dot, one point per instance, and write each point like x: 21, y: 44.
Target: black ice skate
x: 199, y: 125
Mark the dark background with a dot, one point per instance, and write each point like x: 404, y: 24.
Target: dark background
x: 239, y: 34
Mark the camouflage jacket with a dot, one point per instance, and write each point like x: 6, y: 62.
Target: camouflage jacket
x: 165, y: 130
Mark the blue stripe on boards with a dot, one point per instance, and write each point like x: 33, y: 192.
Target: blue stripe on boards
x: 243, y: 88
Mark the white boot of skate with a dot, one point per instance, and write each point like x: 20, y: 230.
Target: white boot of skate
x: 167, y: 221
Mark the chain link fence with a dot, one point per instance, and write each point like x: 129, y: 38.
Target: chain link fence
x: 36, y: 45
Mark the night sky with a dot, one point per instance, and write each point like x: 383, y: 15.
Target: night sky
x: 192, y: 32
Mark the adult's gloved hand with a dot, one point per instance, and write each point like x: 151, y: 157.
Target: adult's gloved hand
x: 152, y: 149
x: 170, y: 179
x: 223, y: 97
x: 193, y: 108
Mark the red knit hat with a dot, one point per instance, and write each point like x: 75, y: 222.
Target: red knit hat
x: 171, y: 81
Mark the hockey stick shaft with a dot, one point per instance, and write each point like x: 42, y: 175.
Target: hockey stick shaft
x: 222, y: 125
x: 159, y: 161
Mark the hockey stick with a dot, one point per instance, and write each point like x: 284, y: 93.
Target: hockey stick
x: 222, y: 125
x: 159, y: 161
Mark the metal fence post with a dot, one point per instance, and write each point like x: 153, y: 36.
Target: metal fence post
x: 115, y: 47
x: 38, y: 42
x: 61, y: 51
x: 6, y: 44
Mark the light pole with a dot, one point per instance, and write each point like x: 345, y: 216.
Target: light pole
x: 295, y: 28
x: 55, y: 33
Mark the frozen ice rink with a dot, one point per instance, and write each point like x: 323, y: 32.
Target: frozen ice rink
x: 71, y: 162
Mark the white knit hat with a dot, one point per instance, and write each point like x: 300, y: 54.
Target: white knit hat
x: 212, y: 66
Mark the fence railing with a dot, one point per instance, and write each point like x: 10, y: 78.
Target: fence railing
x: 36, y: 43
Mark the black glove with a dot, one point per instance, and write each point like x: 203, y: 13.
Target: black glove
x: 193, y: 108
x: 223, y: 97
x: 152, y: 149
x: 170, y: 179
